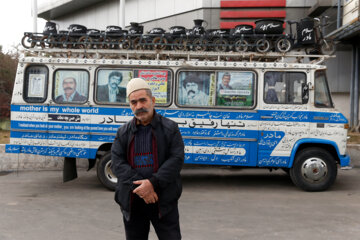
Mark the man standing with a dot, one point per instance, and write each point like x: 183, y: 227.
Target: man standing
x: 111, y: 92
x: 70, y: 93
x: 147, y: 156
x: 193, y: 88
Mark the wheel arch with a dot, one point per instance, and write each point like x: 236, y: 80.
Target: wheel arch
x: 327, y: 145
x: 103, y: 149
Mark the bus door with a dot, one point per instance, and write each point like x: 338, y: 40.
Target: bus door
x: 284, y: 117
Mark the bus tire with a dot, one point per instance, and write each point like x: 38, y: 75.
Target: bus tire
x: 314, y: 169
x: 104, y: 173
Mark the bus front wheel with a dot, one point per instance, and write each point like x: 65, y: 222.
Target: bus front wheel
x: 104, y: 172
x: 314, y: 169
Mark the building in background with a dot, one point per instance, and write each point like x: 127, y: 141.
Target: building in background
x: 218, y: 14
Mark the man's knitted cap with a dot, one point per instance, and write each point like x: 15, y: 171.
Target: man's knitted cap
x: 136, y: 84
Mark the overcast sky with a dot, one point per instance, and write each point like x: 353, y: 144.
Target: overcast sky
x: 15, y: 19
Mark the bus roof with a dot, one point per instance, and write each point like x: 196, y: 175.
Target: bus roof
x: 294, y: 60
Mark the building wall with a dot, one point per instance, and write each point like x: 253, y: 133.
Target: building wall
x: 339, y: 69
x: 161, y: 13
x: 107, y: 13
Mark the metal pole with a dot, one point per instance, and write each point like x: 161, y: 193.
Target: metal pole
x: 356, y: 88
x: 338, y: 14
x: 122, y: 14
x: 34, y: 15
x: 352, y: 84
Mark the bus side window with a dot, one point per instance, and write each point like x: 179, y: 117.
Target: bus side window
x: 283, y: 87
x: 196, y: 88
x: 322, y: 93
x: 35, y: 84
x: 111, y: 85
x: 235, y: 89
x: 71, y: 86
x: 159, y: 81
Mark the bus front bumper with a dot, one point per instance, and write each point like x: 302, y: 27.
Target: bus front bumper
x: 344, y: 161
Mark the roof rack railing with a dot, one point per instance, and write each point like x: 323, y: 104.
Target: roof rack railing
x: 294, y: 56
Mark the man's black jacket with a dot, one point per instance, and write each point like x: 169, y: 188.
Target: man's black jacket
x: 170, y: 154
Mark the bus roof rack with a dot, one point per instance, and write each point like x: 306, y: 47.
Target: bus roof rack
x: 293, y: 56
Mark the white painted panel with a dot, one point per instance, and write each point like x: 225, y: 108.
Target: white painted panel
x: 297, y: 3
x: 350, y: 6
x: 113, y: 13
x: 146, y: 10
x: 210, y: 3
x: 99, y: 16
x: 131, y: 12
x: 351, y: 16
x: 164, y: 8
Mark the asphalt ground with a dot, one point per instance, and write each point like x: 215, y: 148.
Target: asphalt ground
x: 216, y: 204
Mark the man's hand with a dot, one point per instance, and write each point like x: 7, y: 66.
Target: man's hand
x: 151, y: 198
x: 145, y: 190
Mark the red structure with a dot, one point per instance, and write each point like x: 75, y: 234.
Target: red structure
x: 246, y: 11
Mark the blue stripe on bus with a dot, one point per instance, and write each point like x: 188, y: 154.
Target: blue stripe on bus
x: 62, y: 136
x: 68, y: 127
x: 99, y: 128
x: 191, y: 158
x: 124, y: 111
x: 275, y: 115
x: 248, y: 159
x: 52, y: 151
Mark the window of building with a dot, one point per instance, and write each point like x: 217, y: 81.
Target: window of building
x: 35, y: 84
x: 71, y: 86
x: 283, y: 87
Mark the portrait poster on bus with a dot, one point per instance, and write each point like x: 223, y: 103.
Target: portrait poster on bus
x: 235, y: 89
x: 111, y: 85
x: 71, y: 86
x: 36, y: 85
x: 103, y: 76
x: 158, y: 82
x: 196, y: 88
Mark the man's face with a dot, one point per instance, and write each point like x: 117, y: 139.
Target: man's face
x: 226, y: 80
x: 69, y: 86
x: 192, y: 89
x: 114, y: 82
x: 142, y: 106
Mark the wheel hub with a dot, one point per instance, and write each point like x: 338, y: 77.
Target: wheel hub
x: 108, y: 173
x: 314, y: 170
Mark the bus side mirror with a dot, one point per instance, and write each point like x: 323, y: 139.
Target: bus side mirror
x: 305, y: 93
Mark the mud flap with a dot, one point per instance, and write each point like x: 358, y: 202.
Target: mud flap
x: 91, y: 163
x: 69, y: 172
